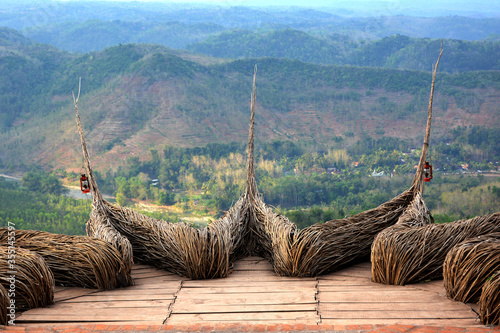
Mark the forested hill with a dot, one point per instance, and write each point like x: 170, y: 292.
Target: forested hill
x: 179, y: 28
x: 139, y: 97
x: 390, y: 52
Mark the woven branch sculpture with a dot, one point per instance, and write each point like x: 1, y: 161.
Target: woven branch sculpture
x: 326, y: 247
x: 176, y: 247
x: 251, y: 227
x: 76, y: 261
x: 34, y: 281
x: 4, y: 304
x: 403, y: 255
x: 469, y: 265
x: 489, y: 303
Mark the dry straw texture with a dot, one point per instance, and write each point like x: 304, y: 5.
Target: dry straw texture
x: 34, y: 282
x: 469, y: 265
x: 180, y: 248
x: 4, y: 303
x: 322, y: 247
x: 403, y: 255
x: 489, y: 303
x: 76, y: 261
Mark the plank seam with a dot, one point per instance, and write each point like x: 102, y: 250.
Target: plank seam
x: 316, y: 292
x: 170, y: 306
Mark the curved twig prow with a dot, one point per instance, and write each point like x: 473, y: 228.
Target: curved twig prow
x: 417, y: 183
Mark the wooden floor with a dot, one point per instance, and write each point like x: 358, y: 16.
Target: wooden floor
x: 254, y: 293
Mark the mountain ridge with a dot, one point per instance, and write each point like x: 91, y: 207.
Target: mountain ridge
x: 137, y: 97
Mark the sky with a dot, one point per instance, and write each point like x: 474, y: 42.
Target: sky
x: 486, y: 7
x: 479, y: 8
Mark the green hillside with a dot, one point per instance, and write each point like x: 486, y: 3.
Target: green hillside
x: 140, y: 96
x: 390, y: 52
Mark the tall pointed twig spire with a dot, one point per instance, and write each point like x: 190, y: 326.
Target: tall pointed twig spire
x: 251, y: 186
x: 99, y: 225
x: 96, y: 195
x: 417, y: 180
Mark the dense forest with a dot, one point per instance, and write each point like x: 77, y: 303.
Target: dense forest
x: 396, y: 51
x: 306, y: 187
x: 289, y: 176
x: 85, y: 27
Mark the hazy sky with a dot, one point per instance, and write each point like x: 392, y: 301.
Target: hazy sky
x: 489, y: 8
x: 486, y: 7
x: 484, y: 4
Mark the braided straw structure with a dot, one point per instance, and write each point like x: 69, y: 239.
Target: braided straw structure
x: 469, y: 265
x: 75, y: 261
x: 33, y: 281
x: 489, y: 303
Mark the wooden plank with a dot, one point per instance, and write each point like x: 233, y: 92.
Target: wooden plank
x: 185, y: 307
x: 403, y: 306
x: 87, y: 311
x: 220, y: 283
x: 395, y: 314
x: 96, y: 298
x: 436, y: 286
x: 158, y: 279
x: 155, y: 284
x: 415, y: 322
x: 275, y: 288
x: 70, y: 293
x: 255, y: 298
x: 172, y: 285
x: 366, y: 288
x: 255, y: 276
x: 380, y: 297
x: 251, y: 273
x: 343, y: 280
x: 358, y: 273
x: 307, y: 317
x: 133, y: 292
x: 75, y: 304
x: 50, y: 326
x: 92, y: 317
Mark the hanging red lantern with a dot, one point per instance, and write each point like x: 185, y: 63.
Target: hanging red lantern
x: 427, y: 172
x: 84, y: 184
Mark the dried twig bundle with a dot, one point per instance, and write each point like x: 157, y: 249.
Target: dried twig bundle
x: 469, y: 265
x: 76, y: 261
x: 4, y: 303
x: 325, y: 247
x: 402, y: 255
x: 180, y: 248
x: 489, y: 303
x: 32, y: 280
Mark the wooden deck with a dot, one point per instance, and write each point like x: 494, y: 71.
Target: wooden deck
x: 253, y: 293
